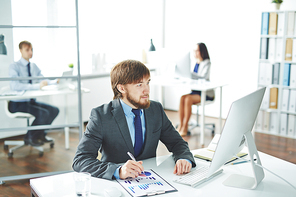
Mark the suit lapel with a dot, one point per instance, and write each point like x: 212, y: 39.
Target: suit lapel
x: 149, y: 128
x: 120, y: 119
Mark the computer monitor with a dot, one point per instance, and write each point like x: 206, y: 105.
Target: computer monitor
x: 235, y: 134
x: 183, y: 66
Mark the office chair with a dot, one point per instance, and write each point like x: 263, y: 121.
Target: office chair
x: 210, y: 126
x: 20, y: 144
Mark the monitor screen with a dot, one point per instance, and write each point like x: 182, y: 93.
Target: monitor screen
x: 183, y: 66
x: 239, y: 124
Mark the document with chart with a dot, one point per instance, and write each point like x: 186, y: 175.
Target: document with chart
x: 146, y: 184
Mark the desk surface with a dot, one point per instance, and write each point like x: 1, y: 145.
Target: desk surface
x: 40, y: 93
x: 191, y: 84
x: 63, y: 184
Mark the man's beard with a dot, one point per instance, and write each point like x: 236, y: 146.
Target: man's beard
x: 137, y: 104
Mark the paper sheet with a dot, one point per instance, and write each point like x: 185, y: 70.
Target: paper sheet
x: 148, y: 183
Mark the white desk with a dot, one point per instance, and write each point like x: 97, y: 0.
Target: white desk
x: 63, y: 184
x: 197, y: 85
x: 40, y: 93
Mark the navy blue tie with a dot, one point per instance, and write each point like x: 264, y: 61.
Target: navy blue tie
x: 138, y: 132
x: 29, y: 72
x: 30, y: 81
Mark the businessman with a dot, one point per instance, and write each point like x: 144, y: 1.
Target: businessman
x: 129, y: 123
x: 44, y: 113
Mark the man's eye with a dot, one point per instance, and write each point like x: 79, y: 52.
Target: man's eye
x: 138, y: 85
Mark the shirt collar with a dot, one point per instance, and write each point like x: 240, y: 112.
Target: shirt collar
x: 128, y: 109
x: 23, y: 61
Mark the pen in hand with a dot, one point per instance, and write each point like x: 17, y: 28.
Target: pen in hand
x: 132, y: 157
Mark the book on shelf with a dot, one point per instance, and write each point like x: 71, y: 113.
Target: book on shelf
x: 293, y: 75
x: 289, y: 47
x: 273, y: 99
x: 259, y: 120
x: 265, y: 73
x: 275, y: 73
x: 278, y: 50
x: 271, y: 49
x: 286, y: 78
x: 266, y: 120
x: 273, y: 123
x: 280, y: 24
x: 273, y: 17
x: 208, y: 153
x: 283, y: 128
x: 265, y: 23
x: 262, y: 71
x: 285, y: 100
x: 292, y: 101
x: 268, y: 77
x: 290, y: 24
x: 291, y: 125
x: 265, y: 101
x: 264, y: 48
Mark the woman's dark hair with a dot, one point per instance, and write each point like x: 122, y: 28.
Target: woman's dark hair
x: 203, y: 51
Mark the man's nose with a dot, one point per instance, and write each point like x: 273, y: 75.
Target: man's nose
x: 147, y: 88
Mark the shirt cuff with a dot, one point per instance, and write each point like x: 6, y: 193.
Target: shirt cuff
x: 187, y: 160
x: 116, y: 173
x: 52, y: 82
x: 35, y: 86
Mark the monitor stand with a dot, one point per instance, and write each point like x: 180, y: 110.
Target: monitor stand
x: 245, y: 182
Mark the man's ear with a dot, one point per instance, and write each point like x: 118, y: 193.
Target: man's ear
x: 120, y: 88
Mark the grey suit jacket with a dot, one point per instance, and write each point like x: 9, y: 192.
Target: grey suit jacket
x: 107, y: 131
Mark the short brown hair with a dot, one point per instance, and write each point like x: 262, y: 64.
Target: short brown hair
x: 21, y: 44
x: 127, y: 72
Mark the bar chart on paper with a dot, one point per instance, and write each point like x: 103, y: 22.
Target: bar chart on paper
x: 147, y: 183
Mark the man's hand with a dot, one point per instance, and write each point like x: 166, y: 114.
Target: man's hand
x: 131, y: 169
x: 43, y: 83
x: 182, y: 167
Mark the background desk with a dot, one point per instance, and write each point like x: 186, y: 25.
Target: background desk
x: 63, y: 184
x: 197, y: 85
x: 40, y: 93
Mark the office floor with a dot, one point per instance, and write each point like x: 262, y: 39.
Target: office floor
x: 27, y: 160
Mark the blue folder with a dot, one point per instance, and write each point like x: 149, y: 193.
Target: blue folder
x: 265, y: 23
x: 286, y: 74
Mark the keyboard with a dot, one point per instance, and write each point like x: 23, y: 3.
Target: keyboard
x: 196, y: 177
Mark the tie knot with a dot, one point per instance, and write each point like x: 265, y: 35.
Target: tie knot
x: 28, y: 64
x: 136, y: 112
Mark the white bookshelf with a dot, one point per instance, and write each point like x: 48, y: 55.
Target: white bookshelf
x: 259, y: 127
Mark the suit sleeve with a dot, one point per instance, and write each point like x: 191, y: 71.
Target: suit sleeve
x: 85, y: 159
x: 173, y: 141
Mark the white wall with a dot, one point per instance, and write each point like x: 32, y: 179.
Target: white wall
x: 231, y: 31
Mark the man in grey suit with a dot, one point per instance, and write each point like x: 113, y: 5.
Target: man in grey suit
x: 117, y: 128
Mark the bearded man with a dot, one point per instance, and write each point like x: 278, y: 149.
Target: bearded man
x: 129, y: 123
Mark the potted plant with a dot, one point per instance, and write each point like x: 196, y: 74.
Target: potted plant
x: 277, y: 3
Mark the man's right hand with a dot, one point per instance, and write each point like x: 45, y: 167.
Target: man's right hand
x: 43, y: 83
x: 131, y: 169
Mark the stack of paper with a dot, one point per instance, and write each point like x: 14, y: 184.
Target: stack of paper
x: 208, y: 153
